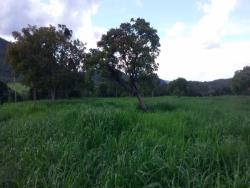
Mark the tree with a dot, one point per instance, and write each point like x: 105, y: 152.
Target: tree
x: 21, y: 57
x: 46, y: 57
x: 71, y: 77
x: 241, y: 81
x: 178, y: 87
x: 196, y: 88
x: 130, y: 49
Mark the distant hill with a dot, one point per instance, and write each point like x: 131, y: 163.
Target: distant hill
x: 220, y: 83
x: 5, y: 70
x: 220, y: 86
x: 162, y: 82
x: 216, y: 87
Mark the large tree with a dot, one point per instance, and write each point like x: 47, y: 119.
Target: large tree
x: 241, y: 81
x: 130, y: 49
x: 46, y: 56
x: 24, y: 59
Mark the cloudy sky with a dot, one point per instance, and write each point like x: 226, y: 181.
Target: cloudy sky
x: 200, y: 39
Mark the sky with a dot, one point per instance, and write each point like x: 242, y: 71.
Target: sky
x: 200, y: 40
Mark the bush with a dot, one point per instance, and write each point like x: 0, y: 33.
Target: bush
x: 241, y: 81
x: 3, y: 92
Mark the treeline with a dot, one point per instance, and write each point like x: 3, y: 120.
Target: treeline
x: 54, y: 65
x: 49, y: 61
x: 4, y: 92
x: 182, y: 87
x: 238, y: 85
x: 8, y: 94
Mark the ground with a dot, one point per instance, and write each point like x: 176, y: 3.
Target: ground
x: 97, y: 142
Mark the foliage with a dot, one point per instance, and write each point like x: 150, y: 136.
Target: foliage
x: 130, y: 49
x: 46, y: 57
x: 3, y: 92
x: 181, y: 87
x: 241, y: 81
x: 178, y: 87
x: 182, y: 142
x: 150, y: 84
x: 52, y: 64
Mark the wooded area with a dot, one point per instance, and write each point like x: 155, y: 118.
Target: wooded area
x: 54, y: 65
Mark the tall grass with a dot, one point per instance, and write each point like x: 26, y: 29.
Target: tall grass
x: 179, y: 142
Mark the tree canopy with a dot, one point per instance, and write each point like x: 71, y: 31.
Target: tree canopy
x: 178, y: 87
x: 46, y: 57
x: 241, y: 81
x: 130, y: 49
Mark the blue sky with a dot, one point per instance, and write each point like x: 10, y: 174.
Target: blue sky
x: 200, y: 39
x: 160, y: 13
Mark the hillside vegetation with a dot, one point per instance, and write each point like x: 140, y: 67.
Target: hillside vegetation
x: 5, y: 70
x: 179, y: 142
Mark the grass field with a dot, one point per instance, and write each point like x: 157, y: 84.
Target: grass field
x: 180, y: 142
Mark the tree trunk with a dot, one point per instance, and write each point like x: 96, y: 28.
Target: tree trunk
x: 141, y: 102
x: 15, y: 95
x: 66, y: 94
x: 116, y: 95
x: 34, y: 94
x: 53, y: 94
x: 117, y: 76
x: 139, y: 97
x: 135, y: 90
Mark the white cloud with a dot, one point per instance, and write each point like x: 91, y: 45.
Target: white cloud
x: 241, y: 27
x: 77, y: 15
x: 177, y: 30
x: 202, y: 54
x: 139, y: 3
x: 210, y: 27
x: 182, y: 58
x: 87, y: 30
